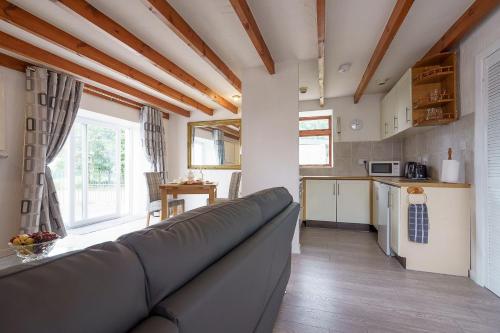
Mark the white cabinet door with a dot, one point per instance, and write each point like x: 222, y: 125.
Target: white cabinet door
x: 353, y: 201
x: 321, y: 204
x: 394, y: 203
x: 404, y: 102
x: 375, y: 189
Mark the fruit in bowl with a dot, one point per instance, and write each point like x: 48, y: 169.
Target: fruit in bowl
x: 33, y: 246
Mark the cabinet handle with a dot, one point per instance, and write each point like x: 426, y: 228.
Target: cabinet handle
x: 395, y: 123
x: 407, y: 118
x: 385, y: 128
x: 389, y: 199
x: 334, y: 189
x: 338, y: 189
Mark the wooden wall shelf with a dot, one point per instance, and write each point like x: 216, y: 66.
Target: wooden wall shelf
x: 433, y: 86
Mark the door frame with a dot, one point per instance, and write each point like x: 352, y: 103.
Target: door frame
x: 479, y: 272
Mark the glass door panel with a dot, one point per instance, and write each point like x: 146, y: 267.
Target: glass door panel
x: 102, y: 178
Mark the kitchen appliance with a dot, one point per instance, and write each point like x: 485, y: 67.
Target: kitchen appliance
x: 383, y: 218
x: 384, y: 168
x: 414, y: 170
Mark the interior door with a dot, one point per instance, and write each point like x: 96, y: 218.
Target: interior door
x: 321, y: 204
x: 492, y: 101
x: 353, y: 201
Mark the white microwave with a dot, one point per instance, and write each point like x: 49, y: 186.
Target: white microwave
x: 384, y: 168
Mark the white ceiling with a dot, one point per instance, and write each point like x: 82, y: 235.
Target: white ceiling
x: 288, y: 27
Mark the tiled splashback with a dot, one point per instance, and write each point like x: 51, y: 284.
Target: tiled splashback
x: 347, y: 154
x: 431, y: 147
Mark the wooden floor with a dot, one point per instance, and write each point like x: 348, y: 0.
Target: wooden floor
x: 342, y: 282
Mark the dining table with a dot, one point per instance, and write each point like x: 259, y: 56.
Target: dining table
x: 175, y: 189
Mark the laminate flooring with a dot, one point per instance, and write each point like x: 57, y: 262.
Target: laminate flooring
x: 343, y: 282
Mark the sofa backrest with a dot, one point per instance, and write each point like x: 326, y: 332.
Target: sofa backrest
x: 175, y: 251
x: 99, y: 289
x: 233, y: 294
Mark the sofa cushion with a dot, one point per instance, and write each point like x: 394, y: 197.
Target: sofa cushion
x: 99, y: 289
x: 237, y: 287
x: 175, y: 251
x: 155, y: 324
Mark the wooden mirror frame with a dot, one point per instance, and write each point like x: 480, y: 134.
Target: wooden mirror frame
x: 190, y: 127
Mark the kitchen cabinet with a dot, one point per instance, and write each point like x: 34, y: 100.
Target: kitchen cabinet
x: 331, y: 200
x: 396, y: 108
x: 394, y: 217
x: 403, y: 102
x: 321, y: 201
x: 353, y: 201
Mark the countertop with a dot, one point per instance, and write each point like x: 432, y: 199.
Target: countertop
x: 394, y: 181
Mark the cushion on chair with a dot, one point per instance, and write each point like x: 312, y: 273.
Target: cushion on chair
x: 155, y: 206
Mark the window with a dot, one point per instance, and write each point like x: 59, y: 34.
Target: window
x: 92, y: 172
x: 315, y: 141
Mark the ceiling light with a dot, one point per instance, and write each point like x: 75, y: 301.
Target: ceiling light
x: 345, y: 67
x: 303, y: 90
x: 381, y: 82
x: 236, y: 98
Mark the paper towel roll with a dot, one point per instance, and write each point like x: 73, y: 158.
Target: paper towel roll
x: 449, y: 171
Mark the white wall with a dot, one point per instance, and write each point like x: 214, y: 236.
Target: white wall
x: 270, y: 115
x: 10, y: 167
x: 177, y: 155
x: 367, y: 110
x: 479, y: 40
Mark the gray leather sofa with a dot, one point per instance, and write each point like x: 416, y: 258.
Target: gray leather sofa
x: 222, y: 268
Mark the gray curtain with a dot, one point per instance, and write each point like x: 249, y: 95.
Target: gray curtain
x: 51, y: 106
x: 218, y: 137
x: 153, y: 139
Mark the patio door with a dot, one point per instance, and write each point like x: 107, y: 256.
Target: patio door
x: 90, y: 173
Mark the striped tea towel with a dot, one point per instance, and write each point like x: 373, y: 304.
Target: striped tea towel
x: 418, y: 223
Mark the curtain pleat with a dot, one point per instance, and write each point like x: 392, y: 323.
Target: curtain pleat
x: 52, y: 104
x: 153, y: 139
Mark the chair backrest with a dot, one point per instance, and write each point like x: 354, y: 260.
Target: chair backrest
x: 234, y: 185
x: 153, y: 180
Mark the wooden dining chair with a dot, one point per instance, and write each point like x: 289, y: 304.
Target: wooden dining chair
x: 153, y: 180
x: 234, y: 188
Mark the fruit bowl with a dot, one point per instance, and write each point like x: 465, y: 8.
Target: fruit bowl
x: 30, y: 247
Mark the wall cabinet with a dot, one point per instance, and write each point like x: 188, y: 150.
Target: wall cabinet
x: 424, y: 96
x: 396, y: 113
x: 337, y: 200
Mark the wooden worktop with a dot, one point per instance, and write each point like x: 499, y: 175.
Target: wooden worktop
x: 394, y: 181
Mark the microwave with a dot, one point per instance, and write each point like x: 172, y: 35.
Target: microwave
x: 384, y: 168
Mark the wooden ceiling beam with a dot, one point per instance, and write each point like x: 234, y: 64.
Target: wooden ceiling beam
x: 474, y: 15
x: 321, y: 27
x: 24, y: 20
x: 25, y: 49
x: 250, y: 25
x: 115, y: 30
x: 168, y: 15
x: 397, y: 17
x: 20, y: 65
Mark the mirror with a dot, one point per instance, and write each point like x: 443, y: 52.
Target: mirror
x: 214, y: 144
